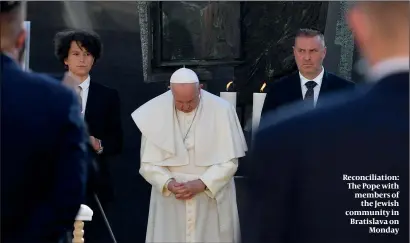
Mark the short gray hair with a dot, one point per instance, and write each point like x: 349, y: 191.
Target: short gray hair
x: 306, y: 32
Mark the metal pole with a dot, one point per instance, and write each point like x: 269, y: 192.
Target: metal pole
x: 105, y: 218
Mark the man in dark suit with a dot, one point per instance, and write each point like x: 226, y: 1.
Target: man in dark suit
x: 311, y: 81
x: 302, y: 187
x: 43, y: 145
x: 78, y: 51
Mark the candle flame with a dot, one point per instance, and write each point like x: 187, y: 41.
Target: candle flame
x: 263, y: 87
x: 228, y: 85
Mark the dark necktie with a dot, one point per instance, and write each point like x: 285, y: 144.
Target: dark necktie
x: 309, y: 96
x: 80, y: 96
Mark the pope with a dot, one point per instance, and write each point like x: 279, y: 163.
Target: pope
x: 191, y: 142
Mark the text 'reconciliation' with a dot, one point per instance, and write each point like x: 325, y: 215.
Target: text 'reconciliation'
x: 378, y: 197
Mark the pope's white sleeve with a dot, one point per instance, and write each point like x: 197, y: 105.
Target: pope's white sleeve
x: 157, y: 176
x: 217, y: 176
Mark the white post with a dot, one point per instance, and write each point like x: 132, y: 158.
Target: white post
x: 84, y: 214
x: 258, y: 100
x: 26, y: 54
x: 230, y: 97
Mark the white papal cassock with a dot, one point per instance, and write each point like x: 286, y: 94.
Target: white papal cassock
x: 210, y: 153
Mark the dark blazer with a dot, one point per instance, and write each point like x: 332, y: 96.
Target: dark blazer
x: 43, y: 156
x: 288, y: 90
x: 103, y: 121
x: 103, y: 118
x: 298, y: 185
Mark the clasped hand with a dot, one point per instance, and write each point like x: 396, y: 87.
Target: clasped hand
x: 187, y: 190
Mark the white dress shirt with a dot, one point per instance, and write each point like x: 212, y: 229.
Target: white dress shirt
x: 85, y: 86
x: 388, y: 67
x: 316, y: 89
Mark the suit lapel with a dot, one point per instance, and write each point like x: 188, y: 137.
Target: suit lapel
x: 91, y: 101
x: 295, y: 89
x: 326, y: 85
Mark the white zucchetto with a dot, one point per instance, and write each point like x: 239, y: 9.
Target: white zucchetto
x: 184, y: 76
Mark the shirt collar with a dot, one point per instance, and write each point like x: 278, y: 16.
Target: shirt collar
x: 86, y: 84
x: 318, y: 78
x: 388, y: 67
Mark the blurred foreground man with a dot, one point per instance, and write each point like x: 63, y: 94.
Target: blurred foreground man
x: 302, y: 185
x: 43, y: 145
x: 191, y: 142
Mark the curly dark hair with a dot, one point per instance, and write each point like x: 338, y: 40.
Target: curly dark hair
x: 86, y: 39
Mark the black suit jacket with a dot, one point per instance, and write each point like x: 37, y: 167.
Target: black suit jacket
x: 43, y: 156
x: 288, y: 90
x: 297, y: 183
x: 103, y: 118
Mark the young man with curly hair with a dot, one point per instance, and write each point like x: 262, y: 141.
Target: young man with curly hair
x: 78, y: 51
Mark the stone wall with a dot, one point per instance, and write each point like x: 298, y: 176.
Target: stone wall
x: 268, y: 30
x: 339, y: 41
